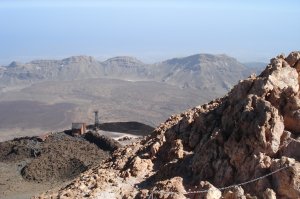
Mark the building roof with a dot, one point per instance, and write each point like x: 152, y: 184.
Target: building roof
x: 77, y: 125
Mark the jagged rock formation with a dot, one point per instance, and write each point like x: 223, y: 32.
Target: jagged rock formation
x: 251, y: 132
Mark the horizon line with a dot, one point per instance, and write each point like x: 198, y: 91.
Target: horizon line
x: 103, y: 58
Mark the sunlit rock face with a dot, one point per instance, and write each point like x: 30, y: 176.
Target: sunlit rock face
x: 250, y: 132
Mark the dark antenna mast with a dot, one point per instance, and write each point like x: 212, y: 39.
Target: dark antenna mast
x: 97, y: 123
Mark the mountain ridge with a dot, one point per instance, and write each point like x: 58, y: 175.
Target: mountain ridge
x: 88, y: 57
x: 201, y: 71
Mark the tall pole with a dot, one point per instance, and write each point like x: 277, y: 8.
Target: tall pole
x: 97, y: 123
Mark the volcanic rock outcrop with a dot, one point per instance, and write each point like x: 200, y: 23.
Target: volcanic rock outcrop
x: 243, y: 145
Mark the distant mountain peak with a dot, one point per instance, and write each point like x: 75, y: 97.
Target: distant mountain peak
x: 124, y: 59
x: 197, y: 58
x: 124, y: 62
x: 79, y: 59
x: 15, y: 64
x: 198, y: 61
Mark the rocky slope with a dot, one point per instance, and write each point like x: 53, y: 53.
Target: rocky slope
x: 32, y: 165
x: 251, y: 132
x: 58, y: 157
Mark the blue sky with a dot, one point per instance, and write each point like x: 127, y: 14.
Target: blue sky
x: 149, y: 30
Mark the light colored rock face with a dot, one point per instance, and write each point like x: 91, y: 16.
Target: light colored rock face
x: 269, y: 194
x: 212, y: 193
x: 247, y: 134
x: 235, y: 193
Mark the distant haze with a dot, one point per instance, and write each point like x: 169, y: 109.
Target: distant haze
x: 150, y: 30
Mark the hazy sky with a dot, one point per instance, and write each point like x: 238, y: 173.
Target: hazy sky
x: 153, y: 30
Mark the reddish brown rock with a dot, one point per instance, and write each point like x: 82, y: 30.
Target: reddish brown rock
x: 172, y: 188
x: 140, y: 166
x: 287, y: 181
x: 293, y: 58
x: 240, y: 138
x: 235, y: 193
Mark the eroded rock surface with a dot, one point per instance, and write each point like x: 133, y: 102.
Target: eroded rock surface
x: 247, y: 134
